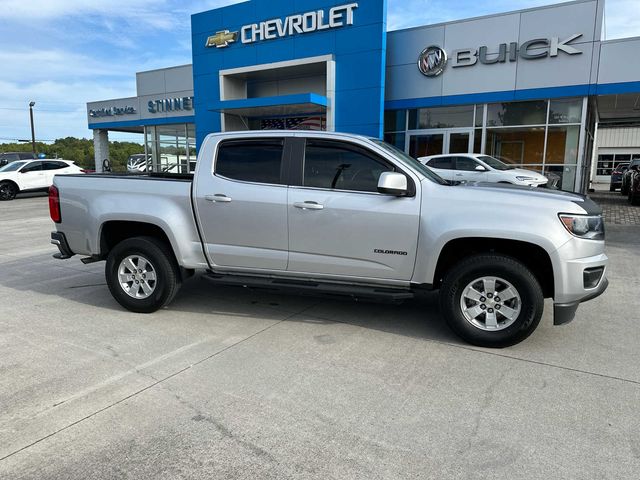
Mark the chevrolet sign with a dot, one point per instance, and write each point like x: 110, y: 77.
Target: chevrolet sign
x: 222, y: 39
x: 314, y: 21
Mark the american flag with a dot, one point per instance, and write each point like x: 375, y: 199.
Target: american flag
x: 293, y: 123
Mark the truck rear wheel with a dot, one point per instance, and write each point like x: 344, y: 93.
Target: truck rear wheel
x: 142, y: 274
x: 491, y: 300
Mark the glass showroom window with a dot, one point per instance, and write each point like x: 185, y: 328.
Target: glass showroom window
x: 171, y: 148
x: 562, y: 155
x: 517, y: 146
x: 442, y: 117
x: 542, y: 135
x: 563, y: 142
x: 517, y: 113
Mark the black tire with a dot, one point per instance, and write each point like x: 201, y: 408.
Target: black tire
x: 492, y: 265
x: 8, y: 191
x: 163, y: 264
x: 633, y: 198
x: 612, y: 188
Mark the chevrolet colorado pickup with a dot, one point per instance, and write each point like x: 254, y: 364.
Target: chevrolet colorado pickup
x: 343, y: 215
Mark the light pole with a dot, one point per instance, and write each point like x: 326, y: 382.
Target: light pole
x: 33, y: 132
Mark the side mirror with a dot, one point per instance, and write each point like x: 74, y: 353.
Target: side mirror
x: 393, y: 183
x: 480, y: 168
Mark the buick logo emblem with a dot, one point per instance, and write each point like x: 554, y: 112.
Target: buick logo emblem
x: 432, y: 61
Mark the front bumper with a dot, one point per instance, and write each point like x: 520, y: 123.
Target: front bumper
x: 59, y: 240
x: 574, y: 264
x: 565, y: 312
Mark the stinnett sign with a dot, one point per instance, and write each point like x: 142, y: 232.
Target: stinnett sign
x: 433, y: 59
x: 314, y: 21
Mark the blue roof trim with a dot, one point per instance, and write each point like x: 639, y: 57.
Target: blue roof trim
x: 147, y: 122
x: 613, y: 88
x: 300, y: 98
x: 514, y: 95
x: 489, y: 97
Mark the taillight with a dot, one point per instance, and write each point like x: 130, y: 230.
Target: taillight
x: 54, y: 204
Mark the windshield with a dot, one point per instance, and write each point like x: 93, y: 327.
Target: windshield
x: 495, y: 163
x: 12, y: 167
x: 410, y: 161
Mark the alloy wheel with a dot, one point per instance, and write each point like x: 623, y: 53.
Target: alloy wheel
x: 137, y: 277
x: 490, y: 303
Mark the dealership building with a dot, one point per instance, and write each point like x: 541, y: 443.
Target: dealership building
x: 537, y: 87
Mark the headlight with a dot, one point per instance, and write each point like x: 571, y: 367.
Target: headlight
x: 525, y: 179
x: 590, y: 227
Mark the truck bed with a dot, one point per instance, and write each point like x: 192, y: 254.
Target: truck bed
x: 90, y: 201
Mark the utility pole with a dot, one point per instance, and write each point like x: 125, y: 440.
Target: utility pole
x: 33, y: 132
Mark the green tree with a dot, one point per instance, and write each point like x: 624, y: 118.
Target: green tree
x: 80, y: 150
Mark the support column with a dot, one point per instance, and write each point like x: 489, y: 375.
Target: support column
x: 100, y: 147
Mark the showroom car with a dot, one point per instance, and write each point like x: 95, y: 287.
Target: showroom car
x: 481, y: 168
x: 32, y: 176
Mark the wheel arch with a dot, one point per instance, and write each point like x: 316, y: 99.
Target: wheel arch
x: 11, y: 182
x: 533, y: 256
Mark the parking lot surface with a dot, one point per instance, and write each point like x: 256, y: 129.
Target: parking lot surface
x: 230, y: 383
x: 616, y: 209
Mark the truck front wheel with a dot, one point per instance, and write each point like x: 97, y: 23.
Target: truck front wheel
x: 142, y: 274
x: 491, y: 300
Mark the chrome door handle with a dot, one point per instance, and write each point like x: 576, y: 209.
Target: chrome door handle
x: 308, y: 205
x: 458, y: 174
x: 217, y: 198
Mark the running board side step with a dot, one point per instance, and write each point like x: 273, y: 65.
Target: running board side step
x: 311, y: 287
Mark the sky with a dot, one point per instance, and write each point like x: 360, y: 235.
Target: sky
x: 64, y: 53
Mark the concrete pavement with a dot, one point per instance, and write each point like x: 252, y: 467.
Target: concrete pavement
x: 229, y: 383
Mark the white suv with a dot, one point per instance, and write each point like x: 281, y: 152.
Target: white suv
x: 473, y: 167
x: 32, y: 175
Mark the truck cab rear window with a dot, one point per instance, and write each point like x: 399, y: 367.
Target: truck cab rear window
x: 251, y: 161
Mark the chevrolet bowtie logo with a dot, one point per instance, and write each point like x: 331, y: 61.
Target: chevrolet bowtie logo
x: 222, y: 39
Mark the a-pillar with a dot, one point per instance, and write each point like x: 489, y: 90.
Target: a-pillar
x: 100, y: 147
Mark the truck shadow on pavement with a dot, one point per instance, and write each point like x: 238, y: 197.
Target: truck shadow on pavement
x: 416, y: 318
x: 56, y: 284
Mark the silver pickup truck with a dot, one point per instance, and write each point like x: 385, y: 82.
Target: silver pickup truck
x: 337, y: 214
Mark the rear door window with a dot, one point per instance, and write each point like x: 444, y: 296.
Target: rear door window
x: 53, y: 165
x: 256, y: 161
x: 445, y: 163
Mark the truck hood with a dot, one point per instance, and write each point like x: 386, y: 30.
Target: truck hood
x: 522, y: 192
